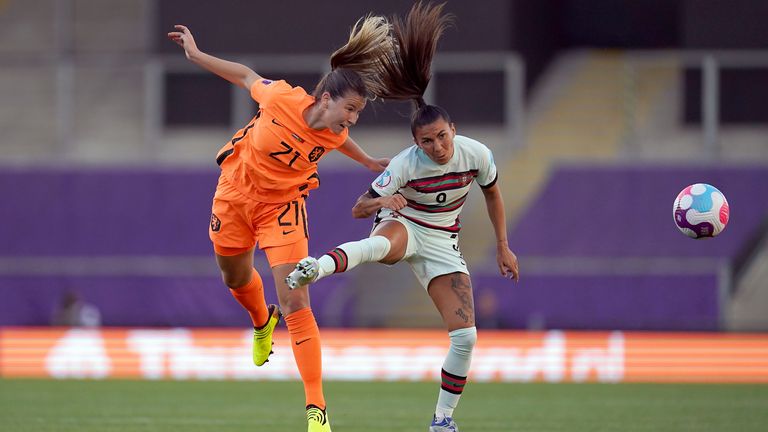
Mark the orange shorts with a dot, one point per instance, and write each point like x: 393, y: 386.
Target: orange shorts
x: 238, y: 223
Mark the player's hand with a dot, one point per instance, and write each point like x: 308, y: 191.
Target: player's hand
x: 183, y: 37
x: 378, y: 165
x: 507, y: 261
x: 395, y: 202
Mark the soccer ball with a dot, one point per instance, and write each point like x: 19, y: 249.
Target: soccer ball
x: 701, y: 211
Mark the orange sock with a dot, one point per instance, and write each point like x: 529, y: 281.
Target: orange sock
x: 305, y: 341
x: 251, y: 297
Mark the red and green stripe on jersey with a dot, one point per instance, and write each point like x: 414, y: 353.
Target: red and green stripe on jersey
x: 442, y: 208
x: 445, y: 182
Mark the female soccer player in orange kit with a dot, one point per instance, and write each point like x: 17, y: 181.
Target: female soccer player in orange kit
x: 267, y: 170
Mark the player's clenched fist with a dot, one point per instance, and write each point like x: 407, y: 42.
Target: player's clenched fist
x: 395, y: 202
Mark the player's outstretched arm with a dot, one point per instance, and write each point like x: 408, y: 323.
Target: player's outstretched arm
x: 367, y: 204
x: 505, y: 258
x: 235, y: 73
x: 353, y: 151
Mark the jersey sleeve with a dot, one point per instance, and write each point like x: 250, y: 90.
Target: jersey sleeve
x: 487, y: 174
x: 264, y: 90
x: 392, y: 179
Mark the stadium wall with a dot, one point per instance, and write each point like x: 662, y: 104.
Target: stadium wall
x: 133, y: 242
x: 386, y: 355
x: 600, y: 250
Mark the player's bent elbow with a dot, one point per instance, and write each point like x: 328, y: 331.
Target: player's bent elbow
x: 248, y: 78
x: 359, y: 213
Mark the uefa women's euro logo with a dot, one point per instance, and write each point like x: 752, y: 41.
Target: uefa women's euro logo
x: 384, y: 179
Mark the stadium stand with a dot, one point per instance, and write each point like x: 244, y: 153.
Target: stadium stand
x: 110, y: 206
x: 597, y: 238
x: 133, y: 239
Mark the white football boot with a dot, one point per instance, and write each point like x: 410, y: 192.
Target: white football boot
x: 305, y: 273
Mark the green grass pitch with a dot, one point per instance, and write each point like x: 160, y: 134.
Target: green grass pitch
x: 191, y: 406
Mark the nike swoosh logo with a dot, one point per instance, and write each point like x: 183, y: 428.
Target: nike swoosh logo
x: 287, y: 232
x: 296, y: 137
x: 302, y: 341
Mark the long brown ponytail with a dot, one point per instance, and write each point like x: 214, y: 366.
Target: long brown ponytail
x: 356, y: 65
x: 407, y: 69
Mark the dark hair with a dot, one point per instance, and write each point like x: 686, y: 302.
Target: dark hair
x: 406, y: 71
x: 427, y: 114
x: 355, y: 66
x: 340, y: 81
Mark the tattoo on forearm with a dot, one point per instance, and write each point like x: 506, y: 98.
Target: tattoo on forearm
x: 463, y: 290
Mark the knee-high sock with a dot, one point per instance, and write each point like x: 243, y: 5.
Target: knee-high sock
x: 251, y: 297
x: 455, y: 369
x: 305, y: 341
x: 349, y: 255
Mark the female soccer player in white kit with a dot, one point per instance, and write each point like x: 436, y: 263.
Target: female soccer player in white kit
x: 417, y: 201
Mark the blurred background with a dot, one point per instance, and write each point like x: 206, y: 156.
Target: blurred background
x: 598, y: 112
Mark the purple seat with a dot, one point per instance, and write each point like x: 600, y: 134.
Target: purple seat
x: 599, y: 301
x: 143, y: 212
x: 138, y: 211
x: 157, y: 301
x: 626, y: 211
x: 649, y: 277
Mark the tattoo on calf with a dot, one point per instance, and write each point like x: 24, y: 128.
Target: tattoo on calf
x: 461, y: 286
x: 462, y: 315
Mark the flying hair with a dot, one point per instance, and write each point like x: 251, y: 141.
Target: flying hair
x: 407, y: 70
x: 355, y: 66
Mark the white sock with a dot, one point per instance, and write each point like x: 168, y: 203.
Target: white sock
x: 351, y: 254
x: 455, y: 369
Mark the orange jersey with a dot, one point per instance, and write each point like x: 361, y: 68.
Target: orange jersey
x: 274, y: 158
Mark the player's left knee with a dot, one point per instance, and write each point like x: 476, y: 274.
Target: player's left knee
x: 463, y: 340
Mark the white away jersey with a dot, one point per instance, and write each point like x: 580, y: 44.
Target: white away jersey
x: 436, y: 193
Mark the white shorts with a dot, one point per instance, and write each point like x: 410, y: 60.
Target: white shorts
x: 430, y: 252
